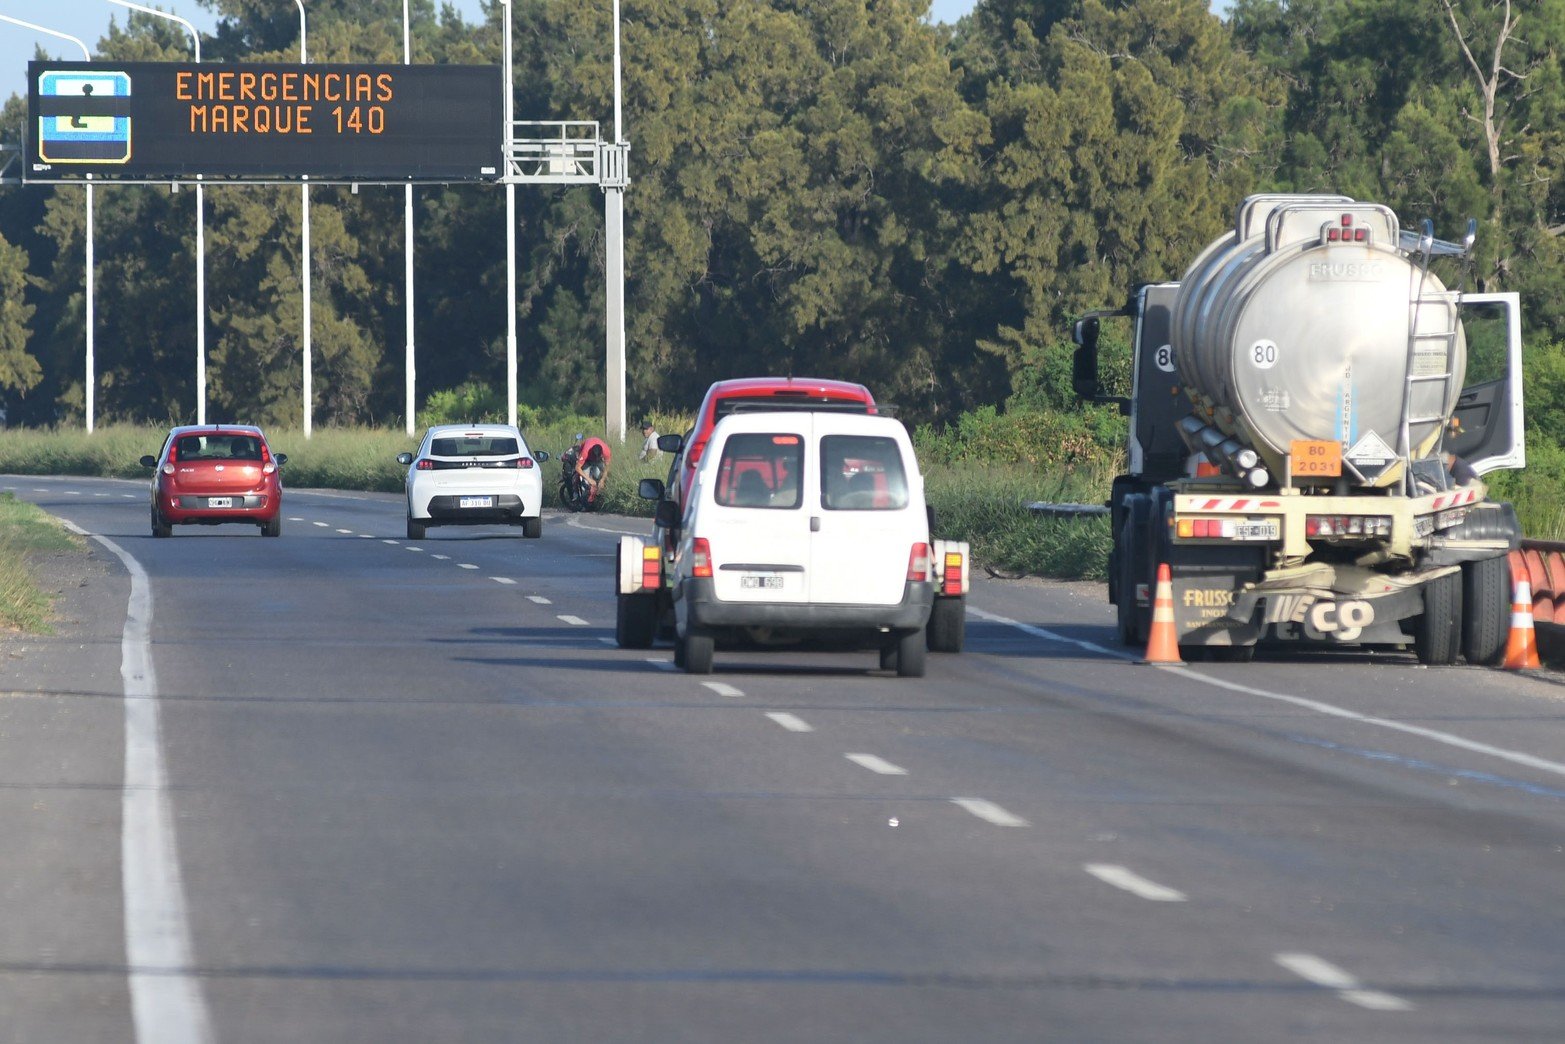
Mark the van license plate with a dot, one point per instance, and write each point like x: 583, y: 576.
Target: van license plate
x: 761, y: 583
x: 468, y: 502
x: 219, y: 502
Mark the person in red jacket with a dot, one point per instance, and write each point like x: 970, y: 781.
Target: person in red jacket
x: 592, y: 464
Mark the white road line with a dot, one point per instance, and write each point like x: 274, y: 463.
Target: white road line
x: 502, y: 580
x: 1327, y: 975
x: 166, y: 1000
x: 790, y: 722
x: 129, y: 496
x: 346, y: 532
x: 608, y: 641
x: 36, y: 490
x: 662, y: 665
x: 323, y: 525
x: 990, y: 812
x: 295, y: 518
x: 385, y: 541
x: 366, y: 536
x: 102, y: 494
x: 443, y: 558
x: 574, y: 621
x: 1051, y: 636
x: 874, y: 764
x: 1135, y: 884
x: 540, y: 599
x: 724, y: 690
x: 410, y: 547
x: 465, y: 565
x: 73, y: 493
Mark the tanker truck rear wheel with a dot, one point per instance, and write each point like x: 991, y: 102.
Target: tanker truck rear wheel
x: 1486, y: 609
x: 1437, y: 634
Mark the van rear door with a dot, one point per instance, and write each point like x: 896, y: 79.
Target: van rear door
x: 753, y: 517
x: 870, y: 511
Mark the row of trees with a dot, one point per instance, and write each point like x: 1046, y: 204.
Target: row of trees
x: 830, y: 187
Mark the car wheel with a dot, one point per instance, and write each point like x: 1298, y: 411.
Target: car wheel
x: 635, y: 620
x: 273, y: 528
x: 532, y: 528
x: 415, y: 529
x: 910, y: 654
x: 947, y: 625
x: 698, y: 653
x: 160, y: 528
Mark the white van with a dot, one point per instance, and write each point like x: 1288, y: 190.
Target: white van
x: 803, y: 523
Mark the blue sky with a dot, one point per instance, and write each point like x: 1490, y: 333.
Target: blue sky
x: 89, y: 19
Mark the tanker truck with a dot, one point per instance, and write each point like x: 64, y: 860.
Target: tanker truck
x: 1311, y: 414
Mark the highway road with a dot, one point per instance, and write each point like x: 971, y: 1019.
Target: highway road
x: 341, y: 786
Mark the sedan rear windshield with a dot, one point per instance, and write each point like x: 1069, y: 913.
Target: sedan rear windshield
x: 475, y: 446
x: 218, y: 447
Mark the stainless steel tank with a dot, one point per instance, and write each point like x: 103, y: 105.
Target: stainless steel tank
x: 1306, y: 323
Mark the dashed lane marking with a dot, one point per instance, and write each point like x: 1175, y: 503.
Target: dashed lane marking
x: 366, y: 536
x: 1127, y: 880
x: 989, y: 812
x: 466, y: 565
x: 323, y: 525
x: 574, y: 621
x: 1328, y: 976
x: 295, y: 518
x: 391, y: 542
x: 346, y: 532
x: 723, y: 689
x: 790, y: 722
x: 410, y: 547
x: 877, y: 765
x: 502, y: 580
x: 540, y: 599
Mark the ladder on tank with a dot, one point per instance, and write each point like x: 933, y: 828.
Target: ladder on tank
x: 1426, y: 367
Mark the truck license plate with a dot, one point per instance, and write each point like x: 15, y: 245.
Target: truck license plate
x: 219, y: 502
x: 1256, y: 531
x: 476, y: 502
x: 761, y: 583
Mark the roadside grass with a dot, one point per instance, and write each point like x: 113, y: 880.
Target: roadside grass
x: 25, y: 532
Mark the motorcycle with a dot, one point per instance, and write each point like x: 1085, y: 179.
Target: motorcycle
x: 575, y: 493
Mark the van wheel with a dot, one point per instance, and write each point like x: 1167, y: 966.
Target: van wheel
x: 947, y: 625
x: 635, y: 620
x: 415, y: 529
x: 1437, y: 634
x: 532, y: 528
x: 888, y: 656
x: 1486, y: 608
x: 910, y: 655
x: 698, y: 653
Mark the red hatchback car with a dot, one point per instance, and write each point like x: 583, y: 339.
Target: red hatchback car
x: 208, y: 474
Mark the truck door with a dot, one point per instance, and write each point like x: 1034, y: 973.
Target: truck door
x: 1487, y: 425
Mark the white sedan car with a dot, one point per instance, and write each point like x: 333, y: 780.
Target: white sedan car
x: 474, y: 475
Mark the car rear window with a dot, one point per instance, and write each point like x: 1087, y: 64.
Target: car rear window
x: 760, y: 470
x: 219, y: 447
x: 862, y: 473
x: 474, y: 446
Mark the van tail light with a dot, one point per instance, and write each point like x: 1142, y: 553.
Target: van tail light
x: 953, y: 573
x: 700, y: 557
x: 918, y: 563
x: 424, y: 464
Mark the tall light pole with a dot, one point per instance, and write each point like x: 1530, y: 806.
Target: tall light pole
x: 195, y: 39
x: 614, y: 288
x: 510, y: 226
x: 91, y: 387
x: 304, y: 199
x: 407, y: 253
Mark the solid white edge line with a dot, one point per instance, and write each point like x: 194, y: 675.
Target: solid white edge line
x: 1051, y: 636
x: 166, y: 1000
x: 876, y: 764
x: 1128, y: 880
x: 990, y: 812
x: 790, y: 722
x: 724, y: 689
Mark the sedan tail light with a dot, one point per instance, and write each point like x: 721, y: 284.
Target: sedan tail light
x: 425, y: 464
x: 525, y: 463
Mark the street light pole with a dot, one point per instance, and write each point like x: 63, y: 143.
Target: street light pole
x: 614, y: 276
x: 510, y: 226
x: 89, y: 390
x: 407, y: 255
x: 304, y: 260
x: 195, y: 39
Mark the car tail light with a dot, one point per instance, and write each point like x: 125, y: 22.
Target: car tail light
x: 700, y: 557
x: 525, y: 463
x: 918, y: 563
x: 424, y: 464
x: 651, y: 566
x: 953, y: 573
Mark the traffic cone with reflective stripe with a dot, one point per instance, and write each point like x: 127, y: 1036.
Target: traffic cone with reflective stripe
x: 1163, y: 642
x: 1521, y: 648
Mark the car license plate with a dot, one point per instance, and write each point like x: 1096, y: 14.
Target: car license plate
x: 468, y: 502
x: 219, y: 502
x: 761, y: 583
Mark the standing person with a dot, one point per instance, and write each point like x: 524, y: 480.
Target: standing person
x: 592, y: 464
x: 649, y: 442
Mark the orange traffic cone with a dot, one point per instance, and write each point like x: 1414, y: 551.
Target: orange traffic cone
x: 1521, y: 648
x: 1163, y: 642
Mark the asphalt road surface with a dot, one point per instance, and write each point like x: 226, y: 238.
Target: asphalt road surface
x: 341, y: 786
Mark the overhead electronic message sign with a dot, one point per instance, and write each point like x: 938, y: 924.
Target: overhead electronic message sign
x: 155, y: 121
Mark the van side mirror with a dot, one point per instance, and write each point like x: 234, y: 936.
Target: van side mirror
x: 1084, y: 365
x: 666, y: 515
x: 650, y: 489
x: 671, y: 443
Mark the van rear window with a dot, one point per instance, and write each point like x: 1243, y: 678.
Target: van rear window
x: 760, y: 470
x: 862, y: 473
